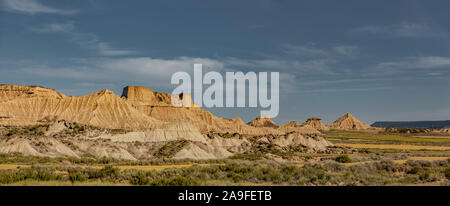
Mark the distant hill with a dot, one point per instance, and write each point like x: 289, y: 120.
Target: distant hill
x: 414, y: 124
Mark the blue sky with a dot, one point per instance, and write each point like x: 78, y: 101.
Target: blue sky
x: 379, y: 60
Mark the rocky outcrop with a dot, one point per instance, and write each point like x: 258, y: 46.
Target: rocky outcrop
x: 140, y: 124
x: 139, y: 108
x: 37, y: 105
x: 158, y: 106
x: 142, y: 98
x: 316, y: 123
x: 445, y: 130
x: 178, y: 140
x: 294, y: 126
x: 348, y: 122
x: 262, y: 121
x: 315, y: 142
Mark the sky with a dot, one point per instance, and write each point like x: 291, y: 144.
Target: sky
x: 379, y: 60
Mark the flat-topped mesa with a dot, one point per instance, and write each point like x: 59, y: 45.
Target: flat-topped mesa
x: 141, y: 96
x: 10, y: 92
x: 348, y: 122
x: 316, y: 123
x: 262, y: 121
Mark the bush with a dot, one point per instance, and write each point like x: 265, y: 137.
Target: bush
x: 77, y: 176
x: 447, y: 173
x: 414, y: 170
x: 343, y: 159
x: 171, y: 148
x: 174, y: 181
x: 139, y: 179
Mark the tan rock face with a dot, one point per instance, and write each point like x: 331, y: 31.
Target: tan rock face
x: 13, y: 92
x: 152, y: 117
x: 316, y: 123
x: 294, y: 126
x: 138, y: 109
x: 37, y: 105
x: 348, y: 122
x: 263, y: 122
x: 144, y: 97
x: 158, y: 106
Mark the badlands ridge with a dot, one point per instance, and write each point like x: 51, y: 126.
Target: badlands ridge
x: 142, y: 123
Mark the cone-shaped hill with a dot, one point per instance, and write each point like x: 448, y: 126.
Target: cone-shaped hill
x: 348, y: 122
x: 262, y: 121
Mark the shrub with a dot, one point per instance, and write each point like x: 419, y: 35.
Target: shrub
x: 174, y: 181
x: 12, y: 132
x: 447, y: 173
x: 77, y: 176
x: 343, y: 159
x: 171, y: 148
x: 139, y: 179
x: 414, y: 170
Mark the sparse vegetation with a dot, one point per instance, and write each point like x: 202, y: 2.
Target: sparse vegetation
x: 265, y: 164
x: 447, y: 173
x: 36, y: 130
x: 246, y: 173
x: 171, y: 148
x: 343, y: 159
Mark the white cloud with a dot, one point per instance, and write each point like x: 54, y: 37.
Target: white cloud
x: 407, y: 64
x: 415, y: 63
x: 312, y: 51
x: 142, y: 70
x: 150, y: 68
x: 32, y: 7
x: 55, y: 28
x: 306, y: 67
x: 302, y: 50
x: 84, y: 40
x: 105, y: 49
x: 333, y: 90
x: 346, y: 50
x: 404, y: 29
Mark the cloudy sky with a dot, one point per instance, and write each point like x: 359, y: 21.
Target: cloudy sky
x: 380, y: 60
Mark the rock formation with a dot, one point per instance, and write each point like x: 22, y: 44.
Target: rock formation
x: 348, y: 122
x: 316, y: 123
x: 262, y: 121
x: 29, y: 105
x: 158, y: 106
x: 138, y: 109
x: 43, y: 122
x: 445, y: 130
x: 294, y: 126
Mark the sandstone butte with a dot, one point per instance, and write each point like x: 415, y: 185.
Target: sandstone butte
x: 316, y: 123
x: 138, y: 108
x: 348, y: 122
x: 263, y: 121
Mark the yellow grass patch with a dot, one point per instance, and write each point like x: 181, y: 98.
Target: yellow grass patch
x: 11, y: 166
x: 429, y: 158
x: 393, y: 146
